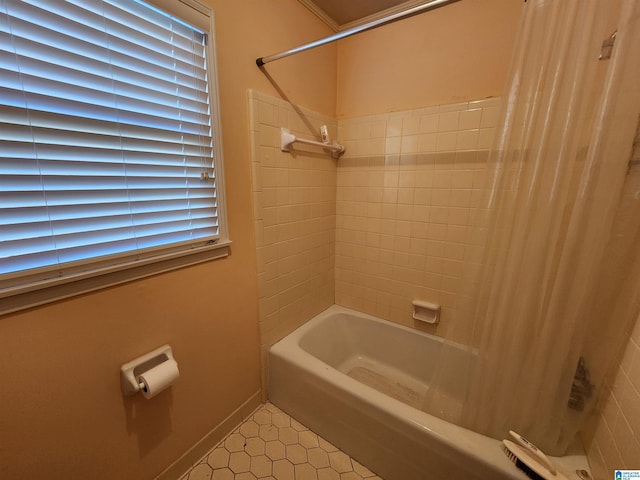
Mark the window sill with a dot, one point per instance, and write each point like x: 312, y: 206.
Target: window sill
x: 62, y: 288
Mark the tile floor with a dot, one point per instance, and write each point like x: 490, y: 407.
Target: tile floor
x: 271, y: 445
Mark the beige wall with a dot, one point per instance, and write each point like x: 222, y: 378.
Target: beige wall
x: 62, y: 414
x: 456, y: 53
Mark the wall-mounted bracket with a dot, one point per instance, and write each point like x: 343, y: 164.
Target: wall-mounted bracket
x: 287, y: 139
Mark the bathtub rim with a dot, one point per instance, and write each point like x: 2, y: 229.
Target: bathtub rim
x: 467, y: 443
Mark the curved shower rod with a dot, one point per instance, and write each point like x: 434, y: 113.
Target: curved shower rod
x: 351, y: 31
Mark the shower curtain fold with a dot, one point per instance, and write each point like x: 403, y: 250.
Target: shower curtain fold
x: 557, y: 172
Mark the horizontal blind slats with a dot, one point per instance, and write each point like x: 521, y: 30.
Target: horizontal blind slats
x: 68, y: 241
x: 86, y: 240
x: 61, y: 22
x: 193, y: 156
x: 55, y: 213
x: 76, y: 113
x: 63, y: 79
x: 76, y: 227
x: 34, y: 58
x: 36, y: 198
x: 138, y: 140
x: 17, y: 120
x: 143, y: 17
x: 39, y: 95
x: 105, y: 133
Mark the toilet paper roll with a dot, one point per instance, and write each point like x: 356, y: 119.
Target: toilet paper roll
x: 157, y: 379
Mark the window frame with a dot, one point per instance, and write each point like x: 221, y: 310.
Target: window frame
x: 92, y: 275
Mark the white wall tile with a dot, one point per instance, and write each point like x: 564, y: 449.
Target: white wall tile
x: 294, y: 212
x: 616, y: 443
x: 416, y: 205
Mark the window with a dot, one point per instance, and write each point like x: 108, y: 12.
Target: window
x: 110, y: 155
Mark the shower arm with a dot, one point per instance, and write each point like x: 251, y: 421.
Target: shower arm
x: 352, y: 31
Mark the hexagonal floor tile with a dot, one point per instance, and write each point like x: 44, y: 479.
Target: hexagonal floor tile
x: 308, y: 439
x: 201, y: 471
x: 326, y: 446
x: 245, y: 476
x: 283, y: 470
x: 318, y: 457
x: 268, y: 432
x: 275, y: 450
x: 305, y: 472
x: 261, y: 466
x: 281, y: 420
x: 296, y: 425
x: 249, y: 429
x: 218, y: 458
x: 296, y: 454
x: 288, y: 435
x: 254, y: 446
x: 270, y: 445
x: 239, y: 462
x: 328, y: 474
x: 234, y: 443
x: 340, y: 462
x: 262, y: 417
x: 222, y: 474
x: 350, y: 476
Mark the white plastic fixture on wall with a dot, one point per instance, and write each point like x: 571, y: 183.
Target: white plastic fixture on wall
x: 287, y: 138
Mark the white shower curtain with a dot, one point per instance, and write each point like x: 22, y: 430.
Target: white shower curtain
x: 556, y: 174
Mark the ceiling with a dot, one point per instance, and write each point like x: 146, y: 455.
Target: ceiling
x: 343, y: 14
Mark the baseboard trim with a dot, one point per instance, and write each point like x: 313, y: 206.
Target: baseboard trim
x: 210, y: 440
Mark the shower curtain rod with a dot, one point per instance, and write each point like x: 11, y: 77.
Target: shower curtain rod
x: 351, y: 31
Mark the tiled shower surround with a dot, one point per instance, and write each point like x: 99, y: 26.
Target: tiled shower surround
x: 389, y: 222
x: 294, y: 198
x: 385, y: 224
x: 613, y: 436
x: 407, y: 189
x: 616, y: 440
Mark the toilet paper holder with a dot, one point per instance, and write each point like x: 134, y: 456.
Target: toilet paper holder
x: 130, y: 371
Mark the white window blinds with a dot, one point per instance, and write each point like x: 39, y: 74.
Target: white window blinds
x: 106, y: 149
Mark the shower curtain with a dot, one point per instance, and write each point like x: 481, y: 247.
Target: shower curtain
x: 556, y: 173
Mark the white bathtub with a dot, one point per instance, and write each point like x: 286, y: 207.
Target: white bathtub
x: 316, y: 375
